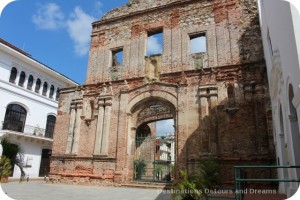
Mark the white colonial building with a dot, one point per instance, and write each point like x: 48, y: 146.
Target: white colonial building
x: 280, y: 26
x: 166, y: 148
x: 28, y: 106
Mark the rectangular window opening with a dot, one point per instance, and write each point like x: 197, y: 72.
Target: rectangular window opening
x: 117, y: 57
x: 198, y: 43
x: 155, y: 43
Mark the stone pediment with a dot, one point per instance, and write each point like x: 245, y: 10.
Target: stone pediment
x: 153, y: 86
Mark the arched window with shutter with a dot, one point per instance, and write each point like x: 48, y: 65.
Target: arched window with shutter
x: 57, y: 94
x: 51, y: 92
x: 30, y: 82
x: 37, y: 86
x: 13, y: 75
x: 45, y: 88
x: 22, y: 79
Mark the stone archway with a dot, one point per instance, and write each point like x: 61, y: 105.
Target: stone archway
x: 293, y: 121
x: 146, y: 163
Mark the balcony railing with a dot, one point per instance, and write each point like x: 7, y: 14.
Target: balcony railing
x: 32, y: 130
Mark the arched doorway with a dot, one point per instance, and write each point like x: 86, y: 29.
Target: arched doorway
x: 45, y: 162
x: 294, y: 127
x: 154, y: 151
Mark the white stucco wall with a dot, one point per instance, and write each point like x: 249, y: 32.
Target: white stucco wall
x: 277, y: 19
x: 32, y: 156
x: 37, y: 105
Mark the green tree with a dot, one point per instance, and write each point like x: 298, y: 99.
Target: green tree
x: 14, y: 153
x: 158, y: 171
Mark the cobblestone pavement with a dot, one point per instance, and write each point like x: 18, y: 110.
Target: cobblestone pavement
x: 38, y: 190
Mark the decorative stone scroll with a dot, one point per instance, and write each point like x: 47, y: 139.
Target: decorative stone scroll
x: 154, y: 110
x: 153, y: 68
x: 89, y: 110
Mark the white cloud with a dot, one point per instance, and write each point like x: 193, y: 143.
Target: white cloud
x: 98, y: 9
x: 165, y: 127
x: 79, y: 28
x: 154, y: 45
x: 198, y: 45
x: 78, y: 24
x: 48, y: 16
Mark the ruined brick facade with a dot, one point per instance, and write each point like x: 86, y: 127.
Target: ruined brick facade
x: 218, y: 99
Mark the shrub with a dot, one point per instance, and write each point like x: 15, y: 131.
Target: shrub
x: 5, y: 167
x: 186, y: 187
x: 140, y: 168
x: 209, y: 169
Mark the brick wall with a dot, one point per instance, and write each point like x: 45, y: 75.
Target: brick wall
x: 236, y: 132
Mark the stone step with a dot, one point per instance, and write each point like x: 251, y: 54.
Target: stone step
x: 155, y: 185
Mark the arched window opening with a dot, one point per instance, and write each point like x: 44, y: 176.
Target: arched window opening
x: 50, y: 126
x: 13, y: 75
x: 45, y: 88
x: 51, y: 92
x: 22, y: 79
x: 30, y: 82
x: 38, y: 85
x: 15, y: 118
x: 57, y: 94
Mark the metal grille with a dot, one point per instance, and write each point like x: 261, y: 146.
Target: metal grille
x: 50, y: 126
x: 13, y: 75
x: 147, y: 163
x: 15, y: 117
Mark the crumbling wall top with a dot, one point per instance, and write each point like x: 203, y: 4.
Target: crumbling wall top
x: 136, y: 6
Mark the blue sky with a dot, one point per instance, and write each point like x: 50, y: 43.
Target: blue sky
x: 165, y: 127
x: 55, y: 32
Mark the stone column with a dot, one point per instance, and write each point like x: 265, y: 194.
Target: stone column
x: 106, y: 127
x: 33, y: 84
x: 129, y: 134
x: 71, y: 130
x: 77, y: 131
x: 213, y: 116
x: 204, y: 106
x: 48, y: 89
x: 54, y: 93
x: 26, y: 81
x: 18, y: 77
x: 204, y: 109
x: 99, y: 130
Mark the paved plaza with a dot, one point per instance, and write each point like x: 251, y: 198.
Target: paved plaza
x: 38, y: 190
